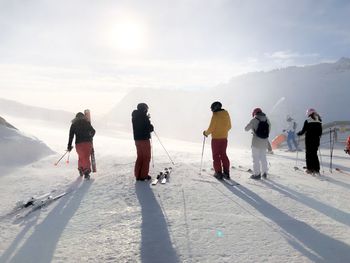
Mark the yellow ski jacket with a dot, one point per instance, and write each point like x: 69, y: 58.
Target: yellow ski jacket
x: 219, y: 126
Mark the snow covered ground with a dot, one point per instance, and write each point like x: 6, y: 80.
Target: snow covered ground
x: 290, y: 217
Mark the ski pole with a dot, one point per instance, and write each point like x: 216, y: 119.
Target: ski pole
x: 319, y: 150
x: 200, y: 168
x: 67, y: 162
x: 297, y: 157
x: 164, y: 148
x: 331, y: 147
x: 61, y: 157
x: 152, y: 153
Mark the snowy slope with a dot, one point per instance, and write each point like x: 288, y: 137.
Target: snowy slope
x: 19, y: 110
x: 291, y: 217
x: 17, y: 148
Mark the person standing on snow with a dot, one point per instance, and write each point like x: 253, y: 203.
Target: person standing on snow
x: 290, y: 130
x: 260, y: 126
x: 219, y: 126
x: 313, y: 131
x: 347, y: 146
x: 142, y: 129
x: 83, y: 131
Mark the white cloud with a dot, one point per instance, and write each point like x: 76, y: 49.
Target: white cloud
x: 288, y: 54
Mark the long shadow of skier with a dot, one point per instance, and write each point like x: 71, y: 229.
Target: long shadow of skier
x: 327, y: 210
x: 156, y: 245
x: 10, y: 250
x: 315, y: 245
x: 41, y: 245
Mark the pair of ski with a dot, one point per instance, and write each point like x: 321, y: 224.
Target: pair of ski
x: 229, y: 181
x: 24, y: 208
x: 223, y: 179
x: 163, y: 176
x: 315, y: 175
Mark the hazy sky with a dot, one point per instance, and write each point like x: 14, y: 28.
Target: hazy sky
x: 69, y: 53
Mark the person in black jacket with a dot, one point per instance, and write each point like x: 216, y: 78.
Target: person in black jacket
x: 313, y: 131
x: 83, y: 131
x: 142, y: 129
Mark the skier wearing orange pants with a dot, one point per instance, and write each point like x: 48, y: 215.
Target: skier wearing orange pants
x: 142, y: 129
x: 83, y: 131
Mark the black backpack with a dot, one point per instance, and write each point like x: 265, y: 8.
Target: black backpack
x: 263, y: 129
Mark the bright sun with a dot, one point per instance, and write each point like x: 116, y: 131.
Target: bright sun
x: 128, y: 35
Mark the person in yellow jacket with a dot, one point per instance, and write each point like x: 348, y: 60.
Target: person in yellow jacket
x: 219, y: 126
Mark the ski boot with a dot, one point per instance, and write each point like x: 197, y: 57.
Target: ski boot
x: 87, y: 176
x: 226, y: 175
x: 218, y: 175
x: 255, y: 176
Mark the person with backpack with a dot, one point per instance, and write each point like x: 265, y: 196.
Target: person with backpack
x: 142, y: 129
x: 83, y: 131
x: 290, y: 130
x: 260, y: 127
x: 219, y: 126
x: 313, y: 131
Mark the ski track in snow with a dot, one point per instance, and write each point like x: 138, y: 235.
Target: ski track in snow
x: 290, y: 217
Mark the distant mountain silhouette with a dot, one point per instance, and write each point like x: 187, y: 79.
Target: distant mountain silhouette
x: 185, y: 114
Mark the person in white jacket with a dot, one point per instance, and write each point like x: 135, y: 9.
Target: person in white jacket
x: 260, y: 126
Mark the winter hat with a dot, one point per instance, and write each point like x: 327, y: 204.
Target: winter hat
x: 310, y: 111
x: 215, y: 106
x: 142, y: 107
x: 256, y: 111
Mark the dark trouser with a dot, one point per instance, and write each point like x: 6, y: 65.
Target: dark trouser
x: 84, y: 151
x: 221, y: 162
x: 312, y: 162
x: 143, y: 148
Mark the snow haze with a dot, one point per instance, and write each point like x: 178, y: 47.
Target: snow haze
x: 57, y: 57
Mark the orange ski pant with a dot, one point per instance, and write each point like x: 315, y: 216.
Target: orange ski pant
x: 84, y: 151
x: 221, y: 162
x: 143, y: 148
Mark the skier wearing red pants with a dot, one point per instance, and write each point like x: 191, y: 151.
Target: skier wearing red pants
x: 142, y: 129
x: 219, y: 126
x: 83, y: 131
x: 347, y: 146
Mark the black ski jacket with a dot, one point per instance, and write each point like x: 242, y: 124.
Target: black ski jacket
x: 313, y: 132
x: 141, y: 125
x: 82, y: 130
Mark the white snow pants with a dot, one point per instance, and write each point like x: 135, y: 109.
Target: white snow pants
x: 259, y: 158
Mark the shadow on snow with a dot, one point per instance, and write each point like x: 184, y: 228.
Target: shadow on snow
x: 156, y: 245
x: 315, y: 245
x: 41, y: 245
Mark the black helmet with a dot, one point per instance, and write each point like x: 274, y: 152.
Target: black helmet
x: 142, y: 107
x: 215, y: 106
x: 80, y: 115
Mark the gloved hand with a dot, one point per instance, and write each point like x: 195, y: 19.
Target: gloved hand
x: 69, y: 148
x: 347, y: 151
x: 205, y: 134
x: 284, y: 130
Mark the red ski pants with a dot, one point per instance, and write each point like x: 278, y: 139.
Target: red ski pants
x: 84, y: 151
x: 221, y: 162
x: 143, y: 148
